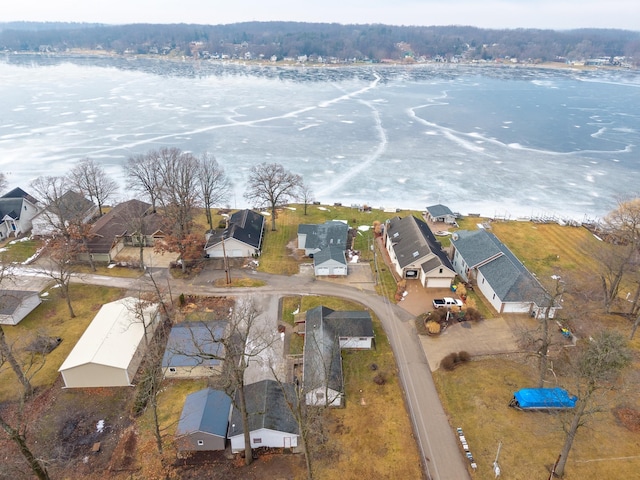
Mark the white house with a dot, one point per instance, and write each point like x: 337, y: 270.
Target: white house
x: 479, y: 257
x: 71, y: 207
x: 416, y: 254
x: 326, y: 333
x: 271, y: 423
x: 17, y: 304
x: 17, y: 209
x: 111, y: 348
x: 241, y: 238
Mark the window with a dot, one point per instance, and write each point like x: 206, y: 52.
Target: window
x: 440, y: 271
x: 415, y: 254
x: 257, y: 440
x: 200, y: 443
x: 172, y: 369
x: 494, y: 297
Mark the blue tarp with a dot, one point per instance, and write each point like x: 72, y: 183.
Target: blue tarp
x: 543, y: 398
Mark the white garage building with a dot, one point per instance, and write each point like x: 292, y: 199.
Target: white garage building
x: 111, y: 348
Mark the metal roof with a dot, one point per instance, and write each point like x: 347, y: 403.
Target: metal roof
x: 190, y: 343
x: 112, y: 337
x: 205, y: 411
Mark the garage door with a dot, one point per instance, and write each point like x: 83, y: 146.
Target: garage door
x: 322, y: 271
x: 340, y: 271
x: 236, y: 253
x: 438, y: 283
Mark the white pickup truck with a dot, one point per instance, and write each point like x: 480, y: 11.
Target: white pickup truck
x: 447, y: 302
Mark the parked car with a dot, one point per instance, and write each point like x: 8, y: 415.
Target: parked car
x: 447, y: 302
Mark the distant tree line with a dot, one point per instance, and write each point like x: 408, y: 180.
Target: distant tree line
x: 373, y: 42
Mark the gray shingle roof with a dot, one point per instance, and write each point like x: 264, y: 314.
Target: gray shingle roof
x: 245, y: 226
x: 330, y: 253
x: 439, y: 210
x: 412, y: 239
x: 11, y: 299
x: 267, y: 408
x: 205, y: 411
x: 189, y: 341
x: 508, y: 277
x: 325, y: 234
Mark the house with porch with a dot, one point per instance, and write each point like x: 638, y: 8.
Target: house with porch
x: 129, y: 223
x: 481, y: 258
x: 241, y: 238
x: 416, y: 254
x: 441, y: 213
x: 17, y: 209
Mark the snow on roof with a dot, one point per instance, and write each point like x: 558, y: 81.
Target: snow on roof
x: 112, y: 337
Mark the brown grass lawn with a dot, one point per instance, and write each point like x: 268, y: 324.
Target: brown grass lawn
x: 372, y: 433
x: 476, y: 395
x: 51, y: 318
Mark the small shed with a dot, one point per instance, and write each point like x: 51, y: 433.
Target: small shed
x: 194, y: 350
x: 111, y: 348
x: 441, y: 213
x: 204, y: 421
x: 17, y: 304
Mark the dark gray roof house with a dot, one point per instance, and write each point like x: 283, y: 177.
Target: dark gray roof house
x: 330, y: 260
x: 327, y: 332
x: 479, y: 256
x: 271, y: 422
x: 315, y: 237
x: 416, y: 254
x: 204, y: 421
x: 17, y: 304
x: 17, y: 209
x: 194, y: 349
x: 241, y: 238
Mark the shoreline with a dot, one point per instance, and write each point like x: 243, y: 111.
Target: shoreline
x: 501, y: 63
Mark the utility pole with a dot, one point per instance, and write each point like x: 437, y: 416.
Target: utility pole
x: 227, y: 274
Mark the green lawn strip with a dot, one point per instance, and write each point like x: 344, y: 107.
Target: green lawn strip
x: 101, y: 269
x: 20, y: 250
x: 51, y: 318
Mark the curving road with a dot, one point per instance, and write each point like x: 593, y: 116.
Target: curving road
x: 438, y: 444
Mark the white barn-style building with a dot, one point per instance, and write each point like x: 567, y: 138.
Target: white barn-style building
x: 110, y: 350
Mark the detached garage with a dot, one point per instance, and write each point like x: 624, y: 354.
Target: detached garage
x: 330, y: 261
x: 111, y: 348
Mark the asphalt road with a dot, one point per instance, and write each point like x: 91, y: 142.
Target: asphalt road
x: 441, y: 455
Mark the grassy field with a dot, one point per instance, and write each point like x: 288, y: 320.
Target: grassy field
x: 370, y: 433
x: 476, y: 397
x: 19, y: 250
x: 52, y: 319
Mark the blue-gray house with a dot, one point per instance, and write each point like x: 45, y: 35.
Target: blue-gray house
x: 204, y: 421
x: 194, y: 349
x: 479, y: 257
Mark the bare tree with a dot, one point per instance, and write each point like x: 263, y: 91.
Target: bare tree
x: 622, y: 227
x: 17, y: 435
x: 91, y: 179
x: 214, y: 184
x: 599, y: 363
x: 306, y: 195
x: 59, y: 265
x: 143, y: 175
x: 138, y: 221
x: 243, y: 341
x: 270, y: 185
